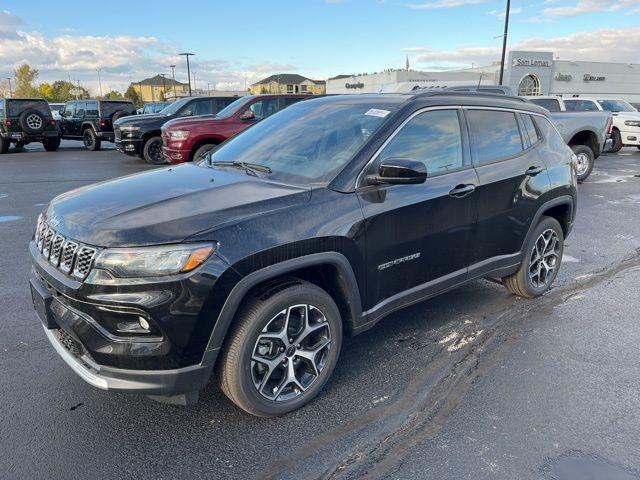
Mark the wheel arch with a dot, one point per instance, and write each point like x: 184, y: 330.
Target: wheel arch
x: 204, y: 141
x: 328, y: 270
x: 561, y: 208
x: 86, y: 125
x: 588, y: 138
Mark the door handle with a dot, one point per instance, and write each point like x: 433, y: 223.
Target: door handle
x: 533, y: 171
x: 463, y: 190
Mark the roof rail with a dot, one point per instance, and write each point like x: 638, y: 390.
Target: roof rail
x: 454, y: 93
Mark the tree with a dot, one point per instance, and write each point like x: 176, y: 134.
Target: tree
x: 132, y: 95
x: 46, y: 91
x: 113, y: 95
x: 24, y: 77
x: 161, y: 97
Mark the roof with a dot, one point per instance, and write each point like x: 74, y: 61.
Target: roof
x: 158, y: 81
x: 290, y: 78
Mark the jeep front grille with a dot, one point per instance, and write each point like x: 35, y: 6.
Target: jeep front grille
x: 70, y: 257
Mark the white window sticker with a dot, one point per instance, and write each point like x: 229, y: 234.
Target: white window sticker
x: 374, y: 112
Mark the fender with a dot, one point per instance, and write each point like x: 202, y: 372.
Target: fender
x: 239, y: 291
x: 90, y: 125
x: 562, y: 200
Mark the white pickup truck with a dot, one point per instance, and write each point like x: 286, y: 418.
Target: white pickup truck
x: 585, y: 132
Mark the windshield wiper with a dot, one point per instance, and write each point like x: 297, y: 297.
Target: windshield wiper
x: 253, y: 168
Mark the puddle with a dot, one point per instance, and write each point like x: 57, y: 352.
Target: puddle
x: 577, y: 466
x: 569, y: 259
x: 9, y: 218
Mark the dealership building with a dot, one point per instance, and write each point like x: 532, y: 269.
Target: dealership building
x: 527, y: 73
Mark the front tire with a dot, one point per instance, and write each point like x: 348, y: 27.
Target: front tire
x: 616, y: 141
x: 541, y: 260
x: 152, y: 151
x: 586, y: 161
x: 282, y: 349
x: 200, y: 152
x: 91, y: 140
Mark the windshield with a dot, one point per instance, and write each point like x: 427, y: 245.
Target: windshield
x: 616, y: 106
x: 305, y: 143
x: 233, y: 107
x: 174, y: 107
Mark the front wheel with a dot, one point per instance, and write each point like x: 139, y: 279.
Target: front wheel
x: 541, y: 260
x: 282, y: 349
x: 616, y: 141
x: 586, y: 160
x: 152, y: 151
x: 203, y: 150
x: 91, y: 140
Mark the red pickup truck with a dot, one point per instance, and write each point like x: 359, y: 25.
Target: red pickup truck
x: 186, y: 139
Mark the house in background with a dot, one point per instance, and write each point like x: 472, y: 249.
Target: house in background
x: 289, y: 83
x: 158, y: 89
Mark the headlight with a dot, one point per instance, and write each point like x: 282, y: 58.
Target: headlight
x: 632, y: 123
x: 129, y: 128
x: 178, y: 134
x: 153, y: 261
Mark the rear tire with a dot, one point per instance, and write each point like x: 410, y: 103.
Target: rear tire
x: 586, y: 161
x: 4, y: 145
x: 542, y: 257
x: 271, y: 327
x: 91, y: 140
x: 200, y: 152
x: 152, y: 151
x: 616, y: 141
x: 51, y: 145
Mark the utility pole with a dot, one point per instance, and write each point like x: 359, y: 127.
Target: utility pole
x: 209, y: 89
x: 99, y: 81
x: 164, y: 85
x: 173, y: 77
x: 195, y: 87
x: 78, y: 84
x: 188, y: 54
x: 504, y: 40
x: 10, y: 92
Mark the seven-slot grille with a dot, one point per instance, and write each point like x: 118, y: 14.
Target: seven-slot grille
x: 69, y: 257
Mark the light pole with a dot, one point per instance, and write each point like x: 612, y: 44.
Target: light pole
x: 195, y: 87
x: 504, y: 40
x: 10, y: 92
x: 173, y: 77
x: 188, y: 54
x: 99, y: 81
x: 164, y: 85
x: 209, y: 89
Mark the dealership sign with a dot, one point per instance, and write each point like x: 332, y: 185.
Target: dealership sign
x: 522, y: 62
x: 593, y: 78
x: 354, y: 85
x: 563, y: 77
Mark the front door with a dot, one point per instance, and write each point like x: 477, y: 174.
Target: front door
x: 418, y: 236
x: 512, y: 178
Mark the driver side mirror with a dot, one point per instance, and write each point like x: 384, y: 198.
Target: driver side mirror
x: 248, y: 115
x: 187, y: 113
x: 399, y: 171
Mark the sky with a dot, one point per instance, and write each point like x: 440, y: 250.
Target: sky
x: 237, y: 41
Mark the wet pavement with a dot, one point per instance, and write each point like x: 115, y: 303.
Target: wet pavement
x: 473, y: 384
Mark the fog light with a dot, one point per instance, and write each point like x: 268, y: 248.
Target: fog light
x: 176, y: 156
x: 632, y: 139
x: 143, y: 323
x: 129, y: 147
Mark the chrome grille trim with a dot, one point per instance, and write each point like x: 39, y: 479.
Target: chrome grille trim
x: 68, y: 256
x: 46, y: 244
x: 84, y: 260
x: 56, y: 249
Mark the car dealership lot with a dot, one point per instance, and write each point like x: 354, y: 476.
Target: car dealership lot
x: 472, y: 384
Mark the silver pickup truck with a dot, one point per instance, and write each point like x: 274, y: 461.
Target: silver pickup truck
x: 585, y: 132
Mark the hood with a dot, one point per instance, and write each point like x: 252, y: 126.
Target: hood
x: 147, y: 118
x: 186, y: 122
x: 627, y: 115
x: 166, y: 205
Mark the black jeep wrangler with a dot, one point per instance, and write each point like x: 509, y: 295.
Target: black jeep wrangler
x: 92, y: 120
x: 27, y: 120
x: 315, y: 223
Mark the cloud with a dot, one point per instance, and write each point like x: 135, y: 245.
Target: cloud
x: 589, y: 6
x: 502, y: 13
x: 122, y: 59
x: 604, y: 45
x: 444, y: 4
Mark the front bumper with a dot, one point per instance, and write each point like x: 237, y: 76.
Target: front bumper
x: 129, y: 146
x: 630, y: 137
x: 175, y: 155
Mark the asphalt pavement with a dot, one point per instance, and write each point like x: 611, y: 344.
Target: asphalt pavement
x: 473, y: 384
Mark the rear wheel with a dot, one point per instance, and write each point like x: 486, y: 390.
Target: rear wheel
x: 616, y: 141
x: 51, y: 144
x: 152, y: 151
x: 541, y: 261
x: 4, y: 145
x: 586, y: 160
x: 91, y: 140
x: 282, y: 349
x: 204, y: 149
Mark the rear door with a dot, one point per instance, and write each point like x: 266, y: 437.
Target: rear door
x: 418, y: 236
x: 512, y: 178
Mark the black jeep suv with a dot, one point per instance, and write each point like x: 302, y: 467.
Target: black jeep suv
x: 313, y: 224
x: 27, y: 120
x: 92, y: 120
x: 142, y: 136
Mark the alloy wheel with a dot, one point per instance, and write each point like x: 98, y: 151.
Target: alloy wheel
x: 88, y: 139
x: 290, y: 353
x: 34, y: 121
x: 582, y: 165
x: 544, y: 258
x: 155, y: 151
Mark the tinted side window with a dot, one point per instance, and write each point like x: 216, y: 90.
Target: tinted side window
x: 289, y: 101
x: 548, y: 103
x: 580, y: 106
x: 431, y: 137
x: 530, y: 128
x: 79, y: 108
x: 199, y: 107
x: 92, y: 109
x: 550, y: 134
x: 494, y: 135
x: 264, y: 108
